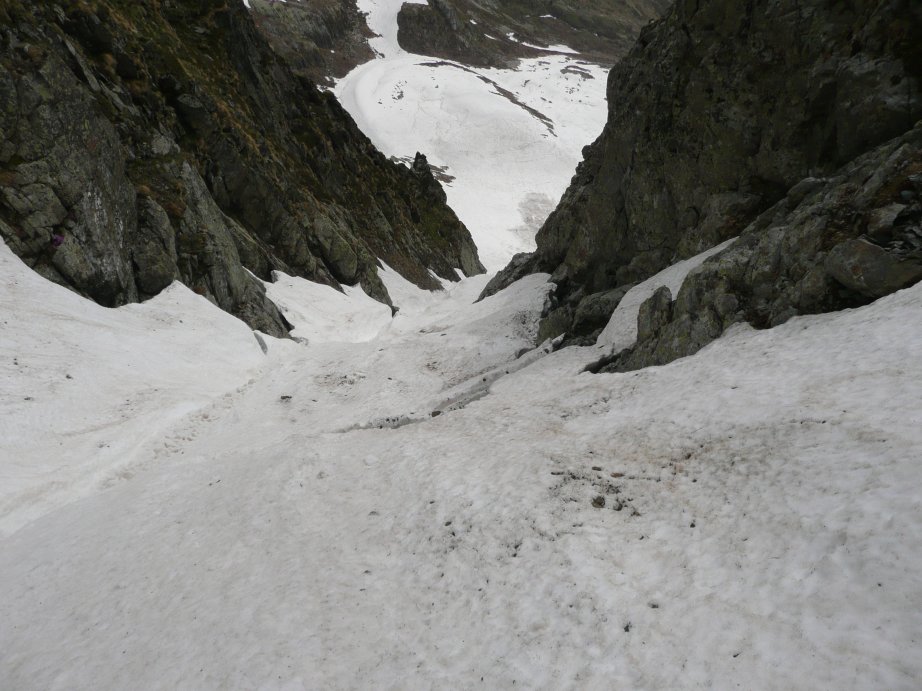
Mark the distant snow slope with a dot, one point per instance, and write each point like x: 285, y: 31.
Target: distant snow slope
x: 385, y: 507
x: 511, y: 139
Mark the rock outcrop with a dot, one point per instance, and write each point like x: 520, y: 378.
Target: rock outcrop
x: 498, y: 33
x: 144, y: 141
x: 319, y: 39
x: 830, y: 244
x: 722, y: 111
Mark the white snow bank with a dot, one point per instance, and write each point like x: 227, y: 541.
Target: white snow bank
x: 85, y: 387
x: 554, y: 48
x: 761, y: 525
x: 621, y: 330
x: 322, y: 314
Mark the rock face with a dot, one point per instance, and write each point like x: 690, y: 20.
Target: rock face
x: 832, y: 243
x: 718, y: 113
x: 496, y: 33
x: 320, y: 39
x: 142, y: 142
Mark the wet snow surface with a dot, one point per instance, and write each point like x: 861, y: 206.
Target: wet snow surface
x: 421, y: 501
x: 179, y: 510
x: 510, y: 139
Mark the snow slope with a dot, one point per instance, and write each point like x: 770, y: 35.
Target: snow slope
x: 86, y: 388
x: 511, y: 139
x: 761, y: 525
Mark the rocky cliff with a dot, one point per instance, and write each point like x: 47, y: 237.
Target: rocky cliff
x: 319, y: 39
x: 752, y: 118
x: 830, y: 243
x: 496, y: 33
x: 147, y: 141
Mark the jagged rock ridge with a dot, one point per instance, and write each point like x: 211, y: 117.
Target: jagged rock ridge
x: 142, y: 142
x: 716, y: 116
x: 496, y: 33
x: 319, y: 39
x: 831, y: 243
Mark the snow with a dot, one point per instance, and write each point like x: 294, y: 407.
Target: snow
x: 621, y: 330
x: 762, y: 523
x: 85, y: 388
x: 426, y: 500
x: 510, y: 138
x: 554, y: 48
x: 557, y: 48
x: 324, y: 313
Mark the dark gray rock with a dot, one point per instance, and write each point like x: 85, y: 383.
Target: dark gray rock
x: 720, y: 110
x: 66, y: 177
x: 127, y: 160
x: 654, y: 314
x: 520, y: 266
x: 557, y: 324
x: 805, y: 255
x: 870, y: 269
x: 594, y: 311
x: 207, y: 253
x: 441, y: 29
x: 155, y: 258
x: 477, y: 33
x: 427, y: 180
x: 320, y: 39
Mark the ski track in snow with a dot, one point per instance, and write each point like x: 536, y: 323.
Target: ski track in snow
x: 761, y: 526
x: 510, y: 138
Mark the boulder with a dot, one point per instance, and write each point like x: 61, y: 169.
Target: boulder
x: 654, y: 313
x: 594, y: 311
x: 871, y: 270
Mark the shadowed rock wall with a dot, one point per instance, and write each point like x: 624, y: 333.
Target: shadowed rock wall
x: 153, y: 140
x: 715, y: 116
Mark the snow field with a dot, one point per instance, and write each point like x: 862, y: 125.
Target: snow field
x: 760, y: 525
x: 85, y: 387
x: 411, y: 502
x: 511, y: 139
